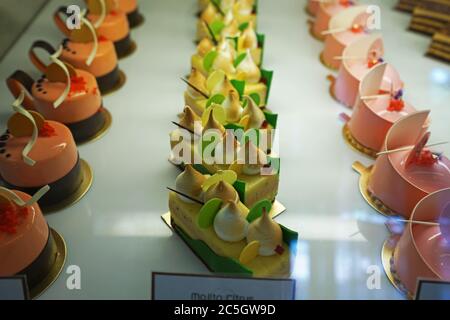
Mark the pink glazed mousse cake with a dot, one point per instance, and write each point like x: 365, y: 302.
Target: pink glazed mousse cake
x: 372, y: 118
x: 423, y: 251
x: 401, y: 179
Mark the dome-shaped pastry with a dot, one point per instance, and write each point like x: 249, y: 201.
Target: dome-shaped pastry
x: 230, y: 223
x: 267, y: 232
x: 222, y: 190
x: 190, y: 183
x: 248, y: 70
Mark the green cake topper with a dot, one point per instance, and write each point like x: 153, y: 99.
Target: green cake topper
x: 258, y: 209
x: 208, y: 213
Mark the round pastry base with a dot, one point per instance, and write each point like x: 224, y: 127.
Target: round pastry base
x: 322, y: 61
x: 309, y: 13
x: 311, y: 32
x: 120, y: 83
x: 376, y: 204
x: 86, y: 184
x: 140, y: 21
x: 332, y: 80
x: 133, y: 48
x: 355, y: 145
x: 56, y: 269
x: 387, y: 259
x: 108, y: 122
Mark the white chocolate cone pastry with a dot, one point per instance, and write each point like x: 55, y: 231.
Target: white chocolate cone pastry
x: 204, y: 46
x: 230, y: 223
x: 255, y: 114
x: 223, y: 86
x: 248, y: 70
x: 248, y: 39
x: 226, y: 47
x: 209, y: 14
x: 192, y: 97
x: 253, y: 159
x: 189, y: 182
x: 423, y: 250
x: 198, y: 80
x: 244, y: 7
x: 267, y: 232
x: 189, y: 118
x: 233, y: 107
x: 222, y: 190
x: 213, y: 124
x: 224, y: 62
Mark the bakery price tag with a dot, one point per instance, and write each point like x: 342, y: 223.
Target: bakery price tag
x: 433, y: 290
x: 13, y: 288
x: 173, y: 286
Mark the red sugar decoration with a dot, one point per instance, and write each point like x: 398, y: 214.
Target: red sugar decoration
x: 426, y: 158
x: 94, y: 90
x: 47, y: 130
x: 372, y: 63
x: 356, y: 28
x: 77, y: 84
x: 279, y: 250
x: 10, y: 217
x: 396, y: 105
x: 113, y: 13
x: 102, y: 39
x: 265, y: 124
x: 346, y: 3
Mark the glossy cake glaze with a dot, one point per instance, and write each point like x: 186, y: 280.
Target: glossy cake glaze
x: 349, y: 25
x: 26, y: 245
x: 325, y: 12
x: 401, y: 179
x: 423, y: 251
x: 372, y: 118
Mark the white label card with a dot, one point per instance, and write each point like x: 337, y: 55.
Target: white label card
x: 13, y: 288
x: 169, y: 286
x: 433, y: 290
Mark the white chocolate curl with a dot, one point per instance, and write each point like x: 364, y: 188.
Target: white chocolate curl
x: 17, y: 107
x: 8, y: 194
x: 100, y: 20
x: 63, y: 96
x: 93, y: 53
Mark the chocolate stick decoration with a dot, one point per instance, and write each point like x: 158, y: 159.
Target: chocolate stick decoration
x: 186, y: 196
x: 218, y: 8
x: 183, y: 127
x: 195, y: 88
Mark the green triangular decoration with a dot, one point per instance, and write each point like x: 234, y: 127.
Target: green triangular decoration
x: 235, y: 40
x: 233, y: 126
x: 290, y: 238
x: 266, y: 77
x: 217, y: 27
x: 200, y: 168
x: 275, y: 163
x: 240, y: 188
x: 239, y: 59
x: 218, y: 99
x: 239, y: 86
x: 271, y: 118
x: 255, y: 97
x: 261, y: 40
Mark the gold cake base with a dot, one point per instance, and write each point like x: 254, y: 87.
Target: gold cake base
x: 376, y: 204
x: 387, y: 258
x: 103, y: 130
x: 322, y: 61
x: 133, y: 48
x: 355, y: 145
x: 61, y: 255
x: 119, y: 84
x: 86, y: 184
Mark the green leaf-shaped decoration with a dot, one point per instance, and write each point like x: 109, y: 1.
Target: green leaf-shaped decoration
x: 266, y: 77
x: 209, y: 60
x: 243, y: 26
x: 256, y: 98
x: 239, y: 86
x: 261, y: 40
x: 240, y: 187
x: 217, y: 27
x: 257, y: 210
x: 239, y: 59
x: 208, y: 213
x: 235, y: 41
x: 217, y: 99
